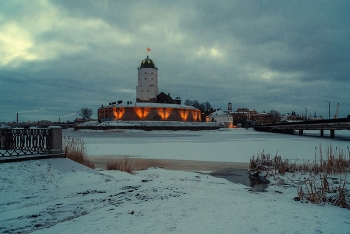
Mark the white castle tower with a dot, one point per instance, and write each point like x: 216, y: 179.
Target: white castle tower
x: 147, y: 88
x: 229, y: 107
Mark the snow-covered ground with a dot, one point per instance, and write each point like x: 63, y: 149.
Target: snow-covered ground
x: 60, y: 196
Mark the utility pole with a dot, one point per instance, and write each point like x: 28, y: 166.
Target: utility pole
x: 329, y: 109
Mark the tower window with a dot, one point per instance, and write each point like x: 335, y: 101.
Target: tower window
x: 145, y: 78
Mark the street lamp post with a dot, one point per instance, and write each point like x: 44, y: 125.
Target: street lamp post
x: 329, y: 109
x: 305, y: 111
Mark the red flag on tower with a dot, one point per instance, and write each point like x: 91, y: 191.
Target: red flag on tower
x: 148, y: 49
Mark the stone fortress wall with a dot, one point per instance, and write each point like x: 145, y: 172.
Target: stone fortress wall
x: 149, y: 113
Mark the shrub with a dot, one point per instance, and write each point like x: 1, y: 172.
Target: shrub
x: 336, y: 163
x: 75, y: 149
x: 121, y: 164
x: 315, y: 190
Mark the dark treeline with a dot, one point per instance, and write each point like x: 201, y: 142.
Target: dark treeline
x: 204, y: 107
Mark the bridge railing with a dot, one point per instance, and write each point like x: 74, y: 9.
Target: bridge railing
x: 24, y: 142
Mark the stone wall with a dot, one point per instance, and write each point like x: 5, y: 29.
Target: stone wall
x: 149, y: 114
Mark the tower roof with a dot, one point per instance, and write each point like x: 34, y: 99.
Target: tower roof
x: 147, y: 63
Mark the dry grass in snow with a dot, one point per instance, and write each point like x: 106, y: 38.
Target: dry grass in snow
x: 122, y: 164
x: 75, y: 149
x: 325, y: 178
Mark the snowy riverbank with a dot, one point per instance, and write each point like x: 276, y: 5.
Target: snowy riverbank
x: 60, y: 196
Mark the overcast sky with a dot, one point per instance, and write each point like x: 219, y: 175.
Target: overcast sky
x: 59, y: 56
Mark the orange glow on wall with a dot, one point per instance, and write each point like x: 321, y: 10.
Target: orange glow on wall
x: 184, y: 114
x: 118, y: 112
x: 196, y: 115
x: 150, y: 113
x: 142, y: 112
x: 164, y: 112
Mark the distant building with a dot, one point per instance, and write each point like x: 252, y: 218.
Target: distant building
x: 166, y: 98
x: 248, y: 117
x: 80, y: 120
x: 150, y: 105
x: 221, y: 117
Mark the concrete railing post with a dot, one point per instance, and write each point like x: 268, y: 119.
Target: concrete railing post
x: 55, y: 140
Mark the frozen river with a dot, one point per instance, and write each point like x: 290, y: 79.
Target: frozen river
x: 225, y: 145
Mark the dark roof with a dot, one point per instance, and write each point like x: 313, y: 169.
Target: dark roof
x: 147, y: 63
x: 164, y: 98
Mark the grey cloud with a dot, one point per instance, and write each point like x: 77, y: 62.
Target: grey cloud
x: 263, y: 55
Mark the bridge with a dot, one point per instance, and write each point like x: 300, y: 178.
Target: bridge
x: 322, y: 125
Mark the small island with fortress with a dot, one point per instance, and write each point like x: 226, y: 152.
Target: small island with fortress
x: 151, y: 111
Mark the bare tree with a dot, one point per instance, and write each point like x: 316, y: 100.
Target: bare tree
x: 208, y: 107
x: 202, y: 107
x: 274, y: 113
x: 274, y: 117
x: 188, y: 102
x: 85, y: 113
x: 195, y: 104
